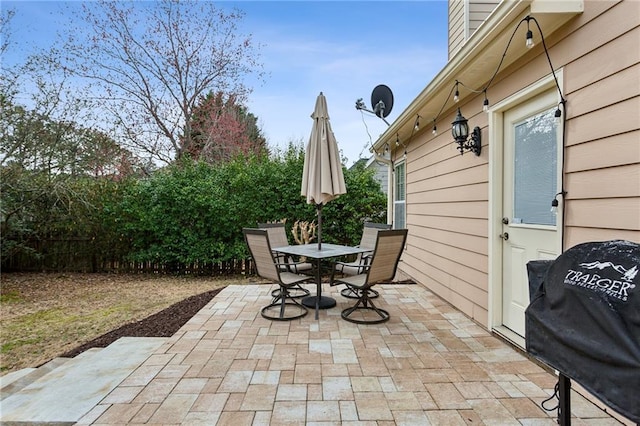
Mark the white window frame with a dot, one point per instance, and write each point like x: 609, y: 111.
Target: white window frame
x: 400, y: 195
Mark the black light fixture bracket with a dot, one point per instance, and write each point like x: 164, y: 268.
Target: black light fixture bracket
x: 473, y: 144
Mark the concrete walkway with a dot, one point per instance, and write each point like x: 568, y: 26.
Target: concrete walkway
x: 428, y: 365
x: 69, y: 391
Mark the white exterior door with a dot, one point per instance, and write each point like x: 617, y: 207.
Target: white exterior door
x: 530, y: 229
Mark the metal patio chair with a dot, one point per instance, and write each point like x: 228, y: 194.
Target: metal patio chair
x: 267, y: 267
x: 278, y: 238
x: 382, y: 267
x: 367, y: 240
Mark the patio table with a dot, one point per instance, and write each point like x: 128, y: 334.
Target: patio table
x: 327, y: 251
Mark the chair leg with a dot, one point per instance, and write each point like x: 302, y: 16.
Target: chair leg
x: 299, y: 292
x: 279, y: 303
x: 354, y: 293
x: 284, y: 293
x: 365, y: 303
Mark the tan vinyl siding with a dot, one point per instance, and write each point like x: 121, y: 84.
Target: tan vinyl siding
x: 457, y: 35
x: 458, y: 290
x: 599, y: 234
x: 602, y: 123
x: 465, y: 16
x: 478, y: 12
x: 621, y: 149
x: 604, y: 61
x: 609, y: 213
x: 602, y: 169
x: 606, y: 92
x: 448, y: 194
x: 606, y: 183
x: 447, y: 213
x: 474, y: 192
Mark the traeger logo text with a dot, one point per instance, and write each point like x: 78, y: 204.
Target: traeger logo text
x: 618, y: 288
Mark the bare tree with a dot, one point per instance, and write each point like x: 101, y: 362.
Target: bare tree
x: 152, y: 61
x: 42, y: 109
x: 6, y: 15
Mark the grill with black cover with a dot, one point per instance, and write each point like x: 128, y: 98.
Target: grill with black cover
x: 584, y: 320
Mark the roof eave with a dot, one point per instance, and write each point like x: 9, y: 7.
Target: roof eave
x: 476, y: 61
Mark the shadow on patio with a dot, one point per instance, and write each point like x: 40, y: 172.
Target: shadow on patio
x: 429, y: 364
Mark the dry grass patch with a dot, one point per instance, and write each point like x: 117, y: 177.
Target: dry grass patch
x: 45, y: 315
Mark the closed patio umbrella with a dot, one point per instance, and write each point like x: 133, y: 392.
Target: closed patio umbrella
x: 322, y: 177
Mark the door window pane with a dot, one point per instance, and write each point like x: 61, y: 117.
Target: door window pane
x: 535, y: 165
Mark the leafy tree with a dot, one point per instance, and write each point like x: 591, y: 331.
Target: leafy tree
x: 222, y: 129
x: 36, y: 142
x: 153, y: 61
x: 36, y: 207
x: 48, y: 171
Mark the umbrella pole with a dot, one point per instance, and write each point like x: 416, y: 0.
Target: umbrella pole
x: 319, y: 206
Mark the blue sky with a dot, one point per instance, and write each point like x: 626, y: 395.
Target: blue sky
x: 341, y: 48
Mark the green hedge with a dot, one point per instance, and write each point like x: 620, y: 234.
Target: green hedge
x: 186, y: 214
x: 194, y: 212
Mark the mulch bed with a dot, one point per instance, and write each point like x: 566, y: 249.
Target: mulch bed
x: 163, y: 324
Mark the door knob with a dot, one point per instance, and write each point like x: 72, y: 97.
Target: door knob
x: 504, y: 236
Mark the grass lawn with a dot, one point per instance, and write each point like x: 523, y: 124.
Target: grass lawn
x: 45, y: 315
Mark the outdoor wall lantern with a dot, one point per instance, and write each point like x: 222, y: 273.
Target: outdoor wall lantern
x: 460, y: 131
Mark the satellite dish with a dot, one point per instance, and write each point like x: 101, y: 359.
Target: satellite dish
x: 382, y: 100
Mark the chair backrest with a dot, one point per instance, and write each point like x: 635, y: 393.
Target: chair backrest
x: 277, y: 233
x: 258, y: 242
x: 386, y: 255
x: 370, y: 233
